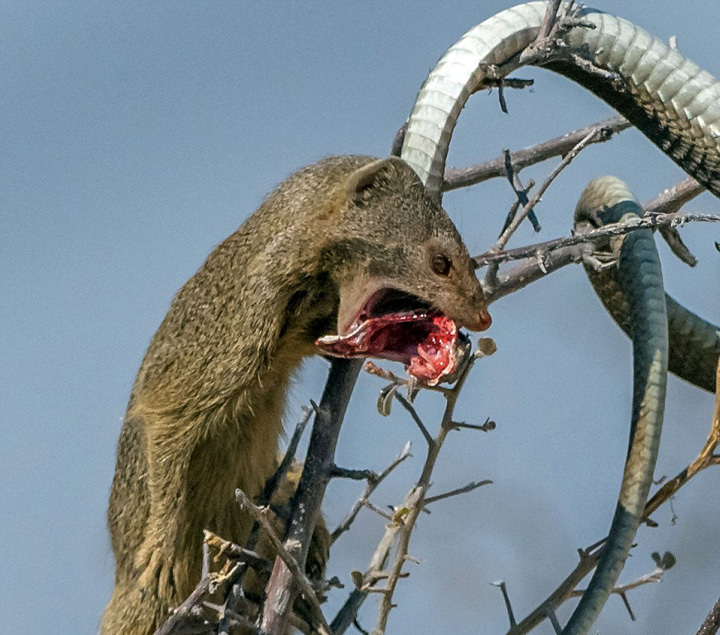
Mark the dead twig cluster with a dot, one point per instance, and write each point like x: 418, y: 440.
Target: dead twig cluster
x: 379, y: 577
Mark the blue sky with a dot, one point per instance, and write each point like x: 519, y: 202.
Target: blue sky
x: 136, y: 136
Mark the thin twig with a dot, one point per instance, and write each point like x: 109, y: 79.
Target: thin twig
x: 429, y: 500
x: 530, y: 205
x: 185, y: 611
x: 410, y: 384
x: 548, y: 22
x: 552, y: 255
x: 614, y: 229
x: 522, y: 195
x: 370, y: 487
x: 508, y: 604
x: 348, y: 612
x: 272, y: 483
x: 653, y: 577
x: 488, y: 426
x: 555, y: 254
x: 351, y: 473
x: 543, y: 264
x: 415, y: 417
x: 668, y: 202
x: 495, y: 79
x: 403, y: 520
x: 378, y: 510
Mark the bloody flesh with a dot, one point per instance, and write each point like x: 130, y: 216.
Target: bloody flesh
x: 426, y: 342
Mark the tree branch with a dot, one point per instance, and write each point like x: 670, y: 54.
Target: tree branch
x: 456, y: 178
x: 711, y: 623
x: 310, y: 492
x: 287, y: 558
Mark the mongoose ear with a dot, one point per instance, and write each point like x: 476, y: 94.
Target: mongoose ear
x: 366, y: 177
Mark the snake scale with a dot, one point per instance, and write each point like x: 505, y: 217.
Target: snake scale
x: 676, y: 105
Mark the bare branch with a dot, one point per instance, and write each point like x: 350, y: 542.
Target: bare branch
x: 653, y: 577
x: 413, y: 505
x: 668, y: 202
x: 673, y: 198
x: 352, y: 474
x: 379, y: 511
x: 272, y: 483
x: 235, y: 595
x: 411, y: 383
x: 495, y: 79
x: 487, y: 426
x: 544, y: 264
x: 456, y: 178
x: 614, y: 229
x: 554, y: 254
x: 403, y: 521
x: 187, y: 611
x: 549, y: 19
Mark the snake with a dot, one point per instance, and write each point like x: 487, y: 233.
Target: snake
x: 676, y: 105
x: 694, y: 345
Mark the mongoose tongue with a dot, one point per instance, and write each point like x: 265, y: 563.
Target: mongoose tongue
x: 425, y: 342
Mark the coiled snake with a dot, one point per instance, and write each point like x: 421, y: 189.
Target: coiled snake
x: 677, y: 106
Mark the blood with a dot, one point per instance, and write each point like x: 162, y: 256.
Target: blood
x: 425, y: 343
x: 435, y: 354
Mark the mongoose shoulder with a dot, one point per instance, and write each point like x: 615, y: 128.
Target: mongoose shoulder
x: 352, y: 246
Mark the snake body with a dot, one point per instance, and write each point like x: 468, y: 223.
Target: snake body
x: 638, y: 279
x: 694, y: 342
x: 677, y: 106
x: 671, y: 99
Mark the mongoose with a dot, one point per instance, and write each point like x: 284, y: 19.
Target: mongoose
x: 352, y: 246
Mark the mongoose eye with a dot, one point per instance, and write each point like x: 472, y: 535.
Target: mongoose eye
x: 441, y: 264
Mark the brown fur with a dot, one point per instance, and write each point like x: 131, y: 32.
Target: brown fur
x: 205, y: 411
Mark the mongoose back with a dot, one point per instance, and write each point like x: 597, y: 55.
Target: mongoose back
x: 351, y: 246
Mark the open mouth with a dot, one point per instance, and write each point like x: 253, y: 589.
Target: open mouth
x: 399, y: 326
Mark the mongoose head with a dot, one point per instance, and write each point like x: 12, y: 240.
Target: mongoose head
x: 405, y: 278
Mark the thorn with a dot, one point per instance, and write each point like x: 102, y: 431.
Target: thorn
x: 508, y: 605
x: 626, y: 602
